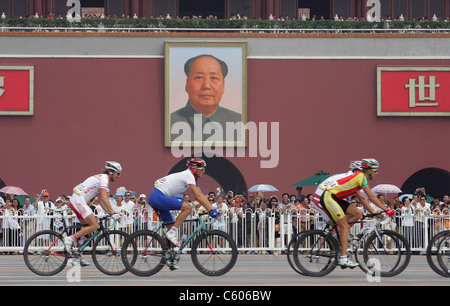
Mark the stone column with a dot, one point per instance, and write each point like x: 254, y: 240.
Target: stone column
x: 38, y: 8
x: 270, y: 8
x: 135, y: 8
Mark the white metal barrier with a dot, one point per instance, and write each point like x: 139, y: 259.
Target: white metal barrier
x: 258, y: 231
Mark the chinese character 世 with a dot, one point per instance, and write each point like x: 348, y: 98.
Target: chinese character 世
x: 422, y: 86
x: 2, y: 84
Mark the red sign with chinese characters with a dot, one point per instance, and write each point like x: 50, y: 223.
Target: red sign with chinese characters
x: 16, y: 90
x: 413, y: 91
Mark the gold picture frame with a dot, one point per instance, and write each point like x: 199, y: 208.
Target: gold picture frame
x: 224, y: 124
x: 11, y: 90
x: 420, y: 79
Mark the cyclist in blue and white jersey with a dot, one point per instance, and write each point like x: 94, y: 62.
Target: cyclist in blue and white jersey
x: 162, y: 198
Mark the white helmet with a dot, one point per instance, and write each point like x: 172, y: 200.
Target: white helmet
x: 355, y: 165
x: 369, y: 163
x: 114, y: 166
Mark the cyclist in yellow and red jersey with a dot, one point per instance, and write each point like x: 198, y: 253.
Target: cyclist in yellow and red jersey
x: 334, y: 200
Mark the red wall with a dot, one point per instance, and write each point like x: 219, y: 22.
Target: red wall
x: 91, y: 110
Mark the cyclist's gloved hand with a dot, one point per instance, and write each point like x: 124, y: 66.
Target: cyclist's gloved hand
x: 214, y: 213
x: 115, y: 216
x: 389, y: 212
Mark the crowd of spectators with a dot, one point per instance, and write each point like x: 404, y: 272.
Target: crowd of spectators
x: 93, y: 15
x: 245, y: 218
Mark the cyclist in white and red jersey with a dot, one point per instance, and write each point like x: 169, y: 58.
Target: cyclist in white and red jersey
x: 163, y: 201
x: 86, y: 191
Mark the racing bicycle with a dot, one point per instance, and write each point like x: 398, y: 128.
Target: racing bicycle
x: 213, y: 252
x: 438, y: 253
x: 379, y: 252
x: 45, y: 253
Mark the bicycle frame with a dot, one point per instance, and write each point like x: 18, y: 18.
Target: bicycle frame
x: 366, y: 232
x: 100, y: 229
x: 199, y: 229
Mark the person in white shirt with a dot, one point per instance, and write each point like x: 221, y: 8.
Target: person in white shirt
x: 222, y: 207
x: 84, y: 192
x: 129, y: 206
x: 421, y: 211
x: 408, y: 220
x: 120, y: 209
x: 43, y: 208
x: 162, y: 198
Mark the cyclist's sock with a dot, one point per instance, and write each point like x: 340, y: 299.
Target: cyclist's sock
x: 72, y: 238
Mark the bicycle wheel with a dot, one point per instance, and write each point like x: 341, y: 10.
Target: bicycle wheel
x: 214, y: 253
x: 143, y: 253
x: 443, y: 254
x: 315, y: 253
x: 44, y: 253
x: 386, y: 253
x: 106, y: 252
x: 432, y: 252
x: 290, y: 256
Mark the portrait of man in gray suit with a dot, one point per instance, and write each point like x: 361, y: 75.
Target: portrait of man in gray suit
x: 205, y: 86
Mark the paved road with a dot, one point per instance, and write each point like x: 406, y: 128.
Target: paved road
x: 250, y: 270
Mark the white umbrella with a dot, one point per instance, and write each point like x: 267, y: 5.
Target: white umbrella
x: 13, y: 190
x: 262, y: 188
x: 386, y: 188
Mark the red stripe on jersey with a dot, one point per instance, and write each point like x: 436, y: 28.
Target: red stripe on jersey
x: 347, y: 178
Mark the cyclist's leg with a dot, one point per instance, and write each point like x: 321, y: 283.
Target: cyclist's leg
x: 353, y: 214
x: 91, y: 226
x: 84, y: 214
x: 164, y: 205
x: 318, y: 206
x: 86, y: 217
x: 336, y: 209
x: 185, y: 211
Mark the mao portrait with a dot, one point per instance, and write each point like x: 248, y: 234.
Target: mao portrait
x: 205, y: 93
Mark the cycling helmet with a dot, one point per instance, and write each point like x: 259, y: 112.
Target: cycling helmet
x: 114, y: 166
x: 369, y: 163
x: 355, y: 165
x: 195, y: 162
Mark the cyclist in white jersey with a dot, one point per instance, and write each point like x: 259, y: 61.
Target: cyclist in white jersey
x: 86, y: 191
x: 163, y: 201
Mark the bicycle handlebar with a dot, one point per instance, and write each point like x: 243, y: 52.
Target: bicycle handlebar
x: 372, y: 215
x: 384, y: 221
x: 206, y: 213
